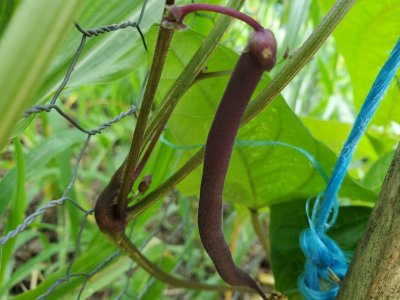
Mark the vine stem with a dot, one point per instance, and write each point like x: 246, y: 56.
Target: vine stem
x: 183, y: 10
x: 135, y: 254
x: 160, y: 54
x: 276, y: 85
x: 260, y: 232
x: 208, y: 75
x: 192, y: 70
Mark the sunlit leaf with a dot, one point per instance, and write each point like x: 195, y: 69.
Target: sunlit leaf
x: 365, y: 38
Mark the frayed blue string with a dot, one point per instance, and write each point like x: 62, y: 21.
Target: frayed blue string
x: 325, y: 261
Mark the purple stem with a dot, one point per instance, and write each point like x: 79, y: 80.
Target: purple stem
x: 186, y: 9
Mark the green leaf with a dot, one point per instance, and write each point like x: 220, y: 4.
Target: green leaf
x: 377, y: 173
x: 298, y: 14
x: 37, y: 159
x: 35, y: 263
x: 7, y: 7
x: 365, y: 38
x: 17, y: 211
x: 66, y: 167
x: 26, y: 48
x: 155, y: 288
x: 85, y: 262
x: 334, y: 133
x: 108, y: 56
x: 287, y: 221
x: 258, y: 175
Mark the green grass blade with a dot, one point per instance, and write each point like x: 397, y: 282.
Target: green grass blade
x: 37, y: 159
x: 26, y: 48
x: 7, y: 8
x: 17, y: 211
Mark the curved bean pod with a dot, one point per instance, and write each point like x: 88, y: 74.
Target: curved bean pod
x: 259, y: 56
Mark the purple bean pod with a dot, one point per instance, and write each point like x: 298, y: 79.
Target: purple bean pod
x: 259, y: 56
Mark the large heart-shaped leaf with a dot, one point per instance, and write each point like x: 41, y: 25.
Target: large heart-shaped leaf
x: 260, y: 174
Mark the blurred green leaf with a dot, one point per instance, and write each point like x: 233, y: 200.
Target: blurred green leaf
x: 334, y: 133
x: 26, y: 49
x: 7, y: 7
x: 86, y: 262
x: 287, y: 221
x: 155, y: 288
x: 296, y: 21
x: 377, y: 173
x: 38, y: 262
x: 17, y: 211
x: 365, y: 38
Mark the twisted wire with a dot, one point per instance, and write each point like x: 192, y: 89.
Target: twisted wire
x: 64, y: 198
x: 96, y: 270
x: 87, y: 33
x: 87, y: 276
x: 48, y: 107
x: 29, y: 220
x: 105, y: 28
x: 68, y: 275
x: 69, y: 71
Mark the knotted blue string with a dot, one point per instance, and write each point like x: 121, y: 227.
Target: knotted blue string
x: 325, y: 261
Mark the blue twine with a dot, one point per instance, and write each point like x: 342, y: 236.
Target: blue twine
x: 325, y: 261
x: 245, y: 143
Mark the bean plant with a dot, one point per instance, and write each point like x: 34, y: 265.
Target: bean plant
x: 226, y: 117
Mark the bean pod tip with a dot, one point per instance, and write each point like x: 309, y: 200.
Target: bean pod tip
x: 262, y: 46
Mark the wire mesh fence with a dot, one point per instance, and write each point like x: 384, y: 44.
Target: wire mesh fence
x: 73, y: 270
x: 65, y: 198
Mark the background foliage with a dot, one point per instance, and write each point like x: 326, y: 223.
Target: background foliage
x: 314, y: 114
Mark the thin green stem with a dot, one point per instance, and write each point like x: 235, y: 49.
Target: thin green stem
x: 135, y: 254
x: 191, y: 71
x: 260, y: 232
x: 277, y: 84
x: 299, y: 59
x: 160, y: 54
x: 166, y: 186
x: 208, y: 75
